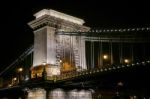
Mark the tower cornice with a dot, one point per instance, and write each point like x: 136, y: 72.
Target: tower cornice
x: 59, y: 15
x: 58, y: 23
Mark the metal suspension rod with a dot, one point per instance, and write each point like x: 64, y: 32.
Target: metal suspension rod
x: 88, y: 58
x: 81, y: 52
x: 70, y: 50
x: 72, y: 55
x: 120, y: 53
x: 64, y: 50
x: 132, y: 53
x: 93, y: 54
x: 111, y: 53
x: 101, y: 52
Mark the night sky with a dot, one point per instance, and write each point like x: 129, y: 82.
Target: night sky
x: 16, y: 35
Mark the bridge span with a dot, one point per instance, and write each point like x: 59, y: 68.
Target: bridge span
x: 71, y: 61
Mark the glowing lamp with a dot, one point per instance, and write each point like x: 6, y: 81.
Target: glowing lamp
x: 20, y: 69
x: 14, y: 78
x: 105, y: 57
x: 126, y: 61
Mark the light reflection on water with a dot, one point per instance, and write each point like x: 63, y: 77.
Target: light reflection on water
x: 59, y: 94
x: 73, y: 94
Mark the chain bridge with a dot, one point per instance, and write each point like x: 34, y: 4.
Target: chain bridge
x: 71, y: 61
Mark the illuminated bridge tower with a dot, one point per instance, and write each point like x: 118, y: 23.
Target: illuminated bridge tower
x: 59, y: 53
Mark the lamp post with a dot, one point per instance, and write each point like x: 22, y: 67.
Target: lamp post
x: 20, y: 69
x: 44, y: 73
x: 20, y: 74
x: 126, y: 61
x: 105, y: 59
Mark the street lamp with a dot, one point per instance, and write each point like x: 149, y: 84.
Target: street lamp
x: 20, y: 73
x: 126, y: 61
x: 44, y: 63
x: 44, y: 73
x: 20, y: 69
x: 14, y: 78
x: 105, y: 57
x: 60, y: 61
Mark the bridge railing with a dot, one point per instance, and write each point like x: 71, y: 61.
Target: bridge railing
x: 74, y: 75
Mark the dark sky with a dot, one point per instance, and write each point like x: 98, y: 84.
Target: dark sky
x: 16, y: 35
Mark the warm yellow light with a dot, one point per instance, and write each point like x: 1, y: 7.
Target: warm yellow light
x: 44, y: 63
x: 105, y: 56
x: 126, y: 61
x: 60, y: 61
x: 14, y: 78
x: 20, y: 69
x: 9, y: 85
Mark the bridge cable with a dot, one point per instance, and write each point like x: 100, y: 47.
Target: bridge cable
x: 120, y: 51
x: 21, y: 57
x: 91, y: 54
x: 101, y: 52
x: 132, y: 53
x: 80, y: 51
x: 111, y: 52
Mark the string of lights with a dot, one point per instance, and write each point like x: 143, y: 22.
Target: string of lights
x: 121, y: 30
x: 112, y: 30
x: 99, y: 70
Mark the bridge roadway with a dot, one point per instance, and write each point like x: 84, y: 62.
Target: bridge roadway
x: 127, y: 78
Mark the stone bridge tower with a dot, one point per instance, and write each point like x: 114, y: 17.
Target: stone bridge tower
x: 57, y: 51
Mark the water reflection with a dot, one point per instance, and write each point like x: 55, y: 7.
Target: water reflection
x: 73, y: 94
x: 59, y: 94
x: 37, y: 94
